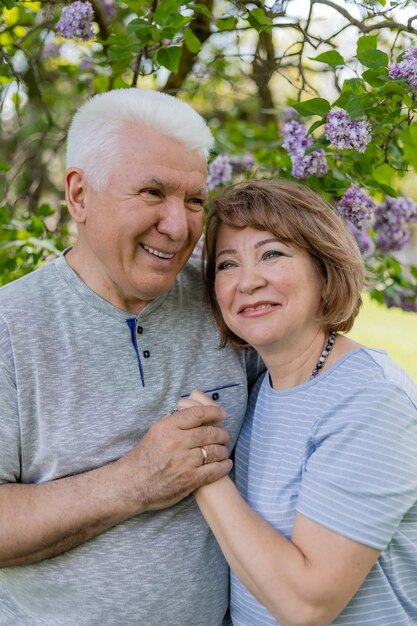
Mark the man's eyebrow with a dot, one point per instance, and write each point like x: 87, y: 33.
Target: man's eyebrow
x: 160, y: 182
x: 257, y: 245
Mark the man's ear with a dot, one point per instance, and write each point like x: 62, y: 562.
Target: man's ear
x: 75, y: 190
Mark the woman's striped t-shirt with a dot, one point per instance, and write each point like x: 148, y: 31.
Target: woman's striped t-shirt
x: 342, y: 450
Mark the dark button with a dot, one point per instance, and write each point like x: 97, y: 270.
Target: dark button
x: 139, y: 330
x: 215, y: 396
x: 146, y: 354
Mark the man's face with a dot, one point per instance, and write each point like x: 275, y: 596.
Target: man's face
x: 137, y: 235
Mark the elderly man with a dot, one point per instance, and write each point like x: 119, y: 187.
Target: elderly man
x: 97, y: 524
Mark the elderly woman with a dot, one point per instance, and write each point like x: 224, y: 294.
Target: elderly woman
x: 322, y: 527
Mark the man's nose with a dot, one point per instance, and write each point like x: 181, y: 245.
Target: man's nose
x: 174, y: 220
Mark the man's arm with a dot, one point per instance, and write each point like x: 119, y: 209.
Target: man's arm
x: 39, y: 521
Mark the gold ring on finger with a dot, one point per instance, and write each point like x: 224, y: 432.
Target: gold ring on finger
x: 205, y: 455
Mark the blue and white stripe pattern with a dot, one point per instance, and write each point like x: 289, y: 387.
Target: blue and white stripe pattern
x: 342, y: 450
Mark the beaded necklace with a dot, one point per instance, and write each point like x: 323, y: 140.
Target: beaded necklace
x: 324, y: 355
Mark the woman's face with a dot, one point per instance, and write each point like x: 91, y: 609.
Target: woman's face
x: 268, y: 292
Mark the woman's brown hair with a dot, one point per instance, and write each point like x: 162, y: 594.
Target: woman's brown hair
x: 300, y: 217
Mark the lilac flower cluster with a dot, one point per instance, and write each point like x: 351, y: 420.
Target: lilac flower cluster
x: 296, y: 142
x: 223, y: 167
x: 220, y: 172
x: 364, y: 241
x: 356, y: 206
x: 406, y: 69
x: 109, y: 9
x: 345, y: 133
x: 309, y: 164
x: 405, y: 299
x: 76, y: 20
x: 392, y: 217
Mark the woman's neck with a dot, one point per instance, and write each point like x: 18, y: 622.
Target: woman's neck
x: 290, y: 365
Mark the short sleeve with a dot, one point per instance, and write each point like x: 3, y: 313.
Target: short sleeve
x: 361, y: 475
x: 9, y: 417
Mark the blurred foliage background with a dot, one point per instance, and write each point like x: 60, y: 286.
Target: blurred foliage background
x: 319, y: 90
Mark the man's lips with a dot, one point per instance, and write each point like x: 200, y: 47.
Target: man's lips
x: 158, y: 253
x: 257, y: 308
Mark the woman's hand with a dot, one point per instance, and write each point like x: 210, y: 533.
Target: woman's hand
x: 194, y: 399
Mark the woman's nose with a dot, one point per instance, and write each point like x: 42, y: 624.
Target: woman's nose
x: 250, y: 279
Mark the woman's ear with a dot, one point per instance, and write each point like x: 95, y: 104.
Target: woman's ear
x: 75, y: 190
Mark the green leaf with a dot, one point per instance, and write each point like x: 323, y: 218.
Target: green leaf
x: 315, y: 106
x: 316, y: 124
x: 192, y: 42
x: 4, y: 167
x: 45, y: 210
x: 226, y: 23
x: 373, y: 58
x: 368, y: 42
x: 383, y: 174
x: 165, y: 10
x: 258, y: 20
x: 375, y: 79
x: 331, y: 57
x: 259, y: 15
x: 200, y: 8
x: 169, y: 58
x: 409, y: 139
x: 359, y: 105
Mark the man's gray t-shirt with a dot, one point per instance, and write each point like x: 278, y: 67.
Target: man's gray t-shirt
x: 80, y: 383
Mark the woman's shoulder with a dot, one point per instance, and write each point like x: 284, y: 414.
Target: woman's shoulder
x: 374, y: 372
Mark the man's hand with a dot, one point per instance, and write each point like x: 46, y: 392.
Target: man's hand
x: 168, y: 463
x: 42, y: 520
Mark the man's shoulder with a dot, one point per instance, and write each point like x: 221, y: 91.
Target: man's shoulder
x: 190, y: 285
x: 19, y: 293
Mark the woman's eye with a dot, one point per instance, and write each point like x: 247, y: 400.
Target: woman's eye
x: 225, y: 265
x: 271, y: 254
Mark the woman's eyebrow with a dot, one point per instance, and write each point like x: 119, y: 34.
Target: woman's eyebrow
x: 231, y: 251
x: 257, y: 245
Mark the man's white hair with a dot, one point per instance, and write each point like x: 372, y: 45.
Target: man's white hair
x: 94, y: 138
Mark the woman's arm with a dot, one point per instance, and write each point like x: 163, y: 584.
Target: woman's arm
x: 307, y: 580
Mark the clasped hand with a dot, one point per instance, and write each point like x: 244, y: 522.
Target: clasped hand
x: 168, y: 463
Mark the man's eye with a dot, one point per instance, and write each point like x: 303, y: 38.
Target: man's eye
x: 196, y: 203
x: 152, y: 192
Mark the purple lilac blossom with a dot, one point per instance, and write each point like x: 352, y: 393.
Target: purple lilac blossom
x: 356, y: 206
x: 109, y: 9
x: 198, y: 250
x: 76, y: 20
x: 295, y: 139
x: 304, y: 165
x: 287, y: 113
x: 392, y: 217
x: 405, y: 299
x: 345, y: 133
x: 220, y: 171
x: 407, y: 68
x: 242, y: 164
x: 49, y: 51
x: 364, y: 241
